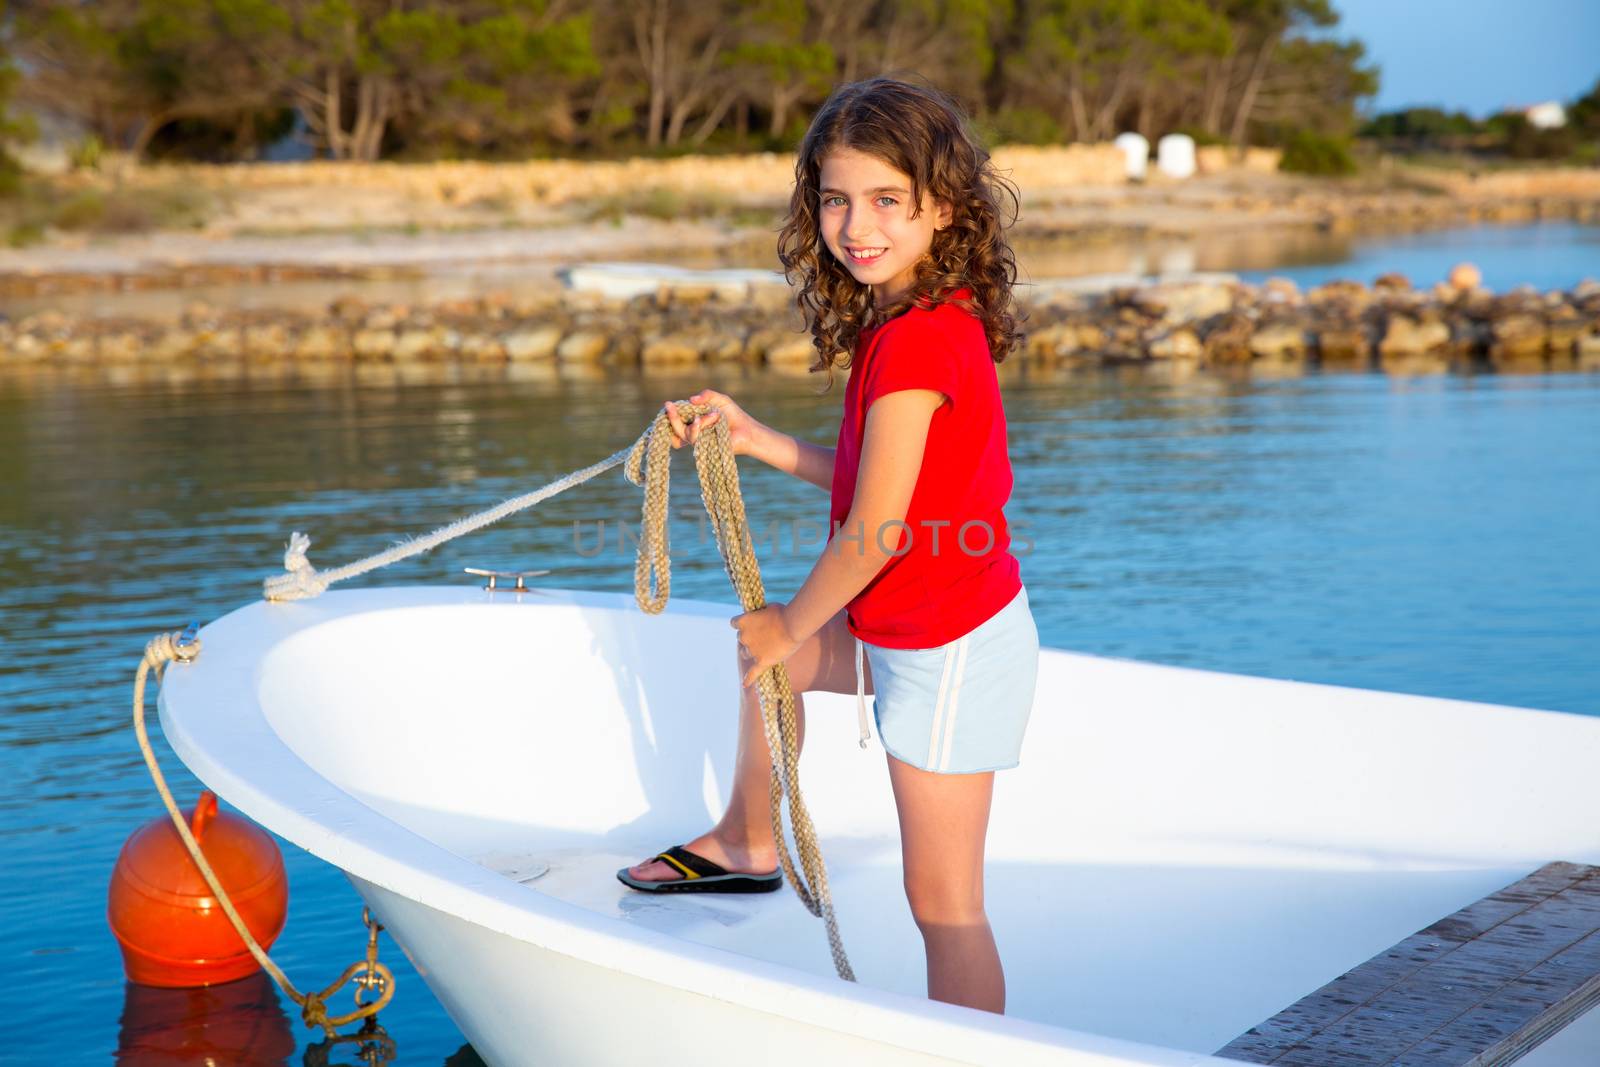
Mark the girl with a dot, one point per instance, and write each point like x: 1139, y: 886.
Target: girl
x: 894, y: 236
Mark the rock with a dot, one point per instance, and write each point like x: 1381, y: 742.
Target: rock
x: 224, y: 343
x: 1051, y: 342
x: 481, y: 348
x: 691, y: 296
x: 770, y: 298
x: 722, y: 348
x: 1406, y: 336
x: 673, y: 350
x: 266, y: 341
x: 1393, y: 281
x: 121, y: 346
x: 1279, y: 340
x: 1344, y: 345
x: 27, y: 348
x: 413, y: 345
x: 1587, y: 348
x: 198, y: 312
x: 1517, y: 337
x: 323, y: 343
x: 533, y: 344
x: 1352, y: 297
x: 348, y: 309
x: 1227, y: 338
x: 1177, y: 344
x: 373, y: 343
x: 1464, y: 277
x: 795, y: 354
x: 1194, y: 302
x: 583, y: 346
x: 1564, y: 324
x: 1091, y: 338
x: 1281, y: 289
x: 170, y: 345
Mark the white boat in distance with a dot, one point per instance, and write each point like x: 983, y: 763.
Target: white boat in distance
x: 1182, y: 853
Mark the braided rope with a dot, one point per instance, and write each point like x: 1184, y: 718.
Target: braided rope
x: 648, y: 463
x: 161, y: 650
x: 648, y: 466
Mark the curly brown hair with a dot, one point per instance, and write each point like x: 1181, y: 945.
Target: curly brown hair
x: 923, y: 133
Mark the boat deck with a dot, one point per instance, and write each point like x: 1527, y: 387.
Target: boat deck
x: 1483, y: 986
x: 1184, y: 955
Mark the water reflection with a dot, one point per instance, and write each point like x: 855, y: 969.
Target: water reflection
x: 371, y: 1046
x: 240, y: 1023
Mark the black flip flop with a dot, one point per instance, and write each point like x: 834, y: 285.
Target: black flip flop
x: 700, y: 875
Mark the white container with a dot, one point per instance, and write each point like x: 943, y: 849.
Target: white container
x: 1135, y: 154
x: 1175, y: 155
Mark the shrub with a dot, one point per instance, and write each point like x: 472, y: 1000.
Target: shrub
x: 1024, y: 125
x: 1307, y: 152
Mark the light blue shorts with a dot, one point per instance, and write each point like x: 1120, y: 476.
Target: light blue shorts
x: 959, y: 708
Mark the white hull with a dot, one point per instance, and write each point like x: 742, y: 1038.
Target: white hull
x: 1181, y: 854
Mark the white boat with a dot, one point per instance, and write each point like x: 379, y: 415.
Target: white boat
x: 1181, y: 854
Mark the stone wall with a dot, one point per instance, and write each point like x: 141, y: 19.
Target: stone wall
x: 1342, y: 325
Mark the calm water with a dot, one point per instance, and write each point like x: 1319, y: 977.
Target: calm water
x: 1429, y: 535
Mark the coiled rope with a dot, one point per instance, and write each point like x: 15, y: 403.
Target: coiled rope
x: 368, y: 974
x: 648, y: 464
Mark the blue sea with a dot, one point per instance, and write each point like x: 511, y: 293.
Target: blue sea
x: 1429, y: 535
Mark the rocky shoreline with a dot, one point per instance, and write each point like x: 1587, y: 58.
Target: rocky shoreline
x: 1197, y: 322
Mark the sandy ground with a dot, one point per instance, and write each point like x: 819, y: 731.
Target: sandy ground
x: 367, y: 229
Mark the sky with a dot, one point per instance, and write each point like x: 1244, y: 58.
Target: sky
x: 1477, y: 56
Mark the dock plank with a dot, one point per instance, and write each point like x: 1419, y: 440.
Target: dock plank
x: 1480, y: 987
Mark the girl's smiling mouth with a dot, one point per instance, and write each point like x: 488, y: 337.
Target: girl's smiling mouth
x: 865, y: 255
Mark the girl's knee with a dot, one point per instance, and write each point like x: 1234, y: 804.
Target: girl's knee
x: 945, y: 903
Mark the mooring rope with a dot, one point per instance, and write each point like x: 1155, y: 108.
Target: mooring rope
x: 648, y: 464
x: 164, y: 649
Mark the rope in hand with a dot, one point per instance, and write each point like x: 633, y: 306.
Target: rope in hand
x: 368, y: 974
x: 648, y: 464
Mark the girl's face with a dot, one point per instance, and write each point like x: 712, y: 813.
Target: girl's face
x: 866, y: 222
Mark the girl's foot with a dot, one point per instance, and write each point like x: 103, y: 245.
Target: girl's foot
x: 735, y: 857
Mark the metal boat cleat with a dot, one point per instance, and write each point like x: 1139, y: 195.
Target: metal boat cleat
x: 494, y: 577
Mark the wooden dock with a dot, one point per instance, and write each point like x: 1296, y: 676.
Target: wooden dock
x: 1478, y: 988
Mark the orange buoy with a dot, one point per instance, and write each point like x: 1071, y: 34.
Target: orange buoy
x: 170, y: 927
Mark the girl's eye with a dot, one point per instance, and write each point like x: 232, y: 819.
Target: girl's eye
x: 829, y: 201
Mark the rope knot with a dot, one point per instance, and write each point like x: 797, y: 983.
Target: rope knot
x: 315, y: 1012
x: 165, y: 647
x: 301, y: 582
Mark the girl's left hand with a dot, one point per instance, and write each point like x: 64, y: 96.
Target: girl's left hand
x: 764, y: 636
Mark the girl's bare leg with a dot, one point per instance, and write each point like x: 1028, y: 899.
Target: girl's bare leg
x: 944, y: 819
x: 742, y: 839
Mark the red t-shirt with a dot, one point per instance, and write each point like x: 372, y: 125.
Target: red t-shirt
x: 954, y: 569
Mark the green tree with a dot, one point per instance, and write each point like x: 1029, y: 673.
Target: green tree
x: 1089, y: 60
x: 129, y: 68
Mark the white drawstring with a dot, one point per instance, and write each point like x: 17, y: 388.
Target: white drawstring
x: 861, y: 695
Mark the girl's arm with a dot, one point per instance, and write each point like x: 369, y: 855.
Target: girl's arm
x: 892, y: 445
x: 751, y: 437
x: 787, y: 453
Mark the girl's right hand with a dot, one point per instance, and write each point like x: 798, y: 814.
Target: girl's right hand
x: 742, y: 429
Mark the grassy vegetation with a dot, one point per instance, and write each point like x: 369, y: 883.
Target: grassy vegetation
x: 656, y: 202
x: 37, y: 206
